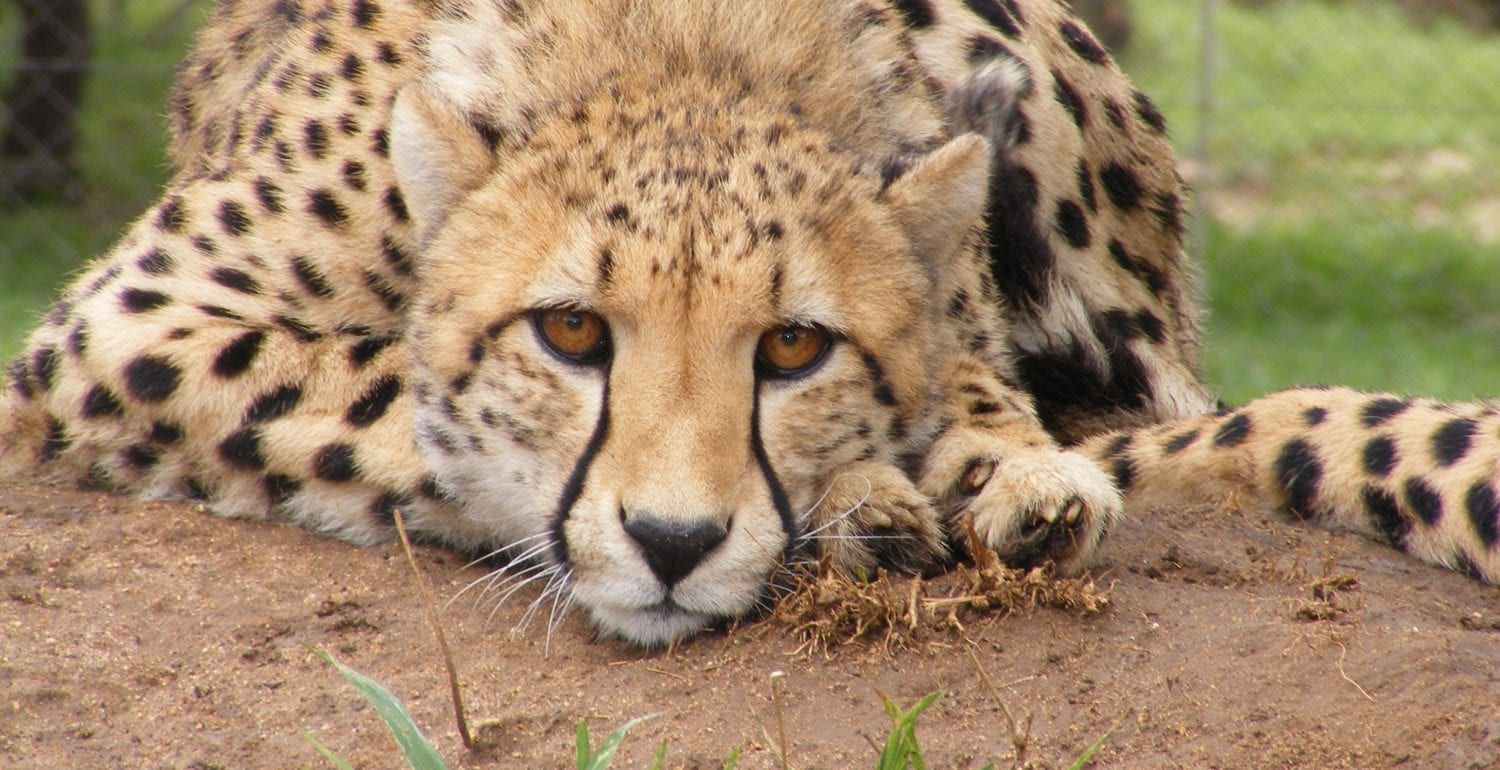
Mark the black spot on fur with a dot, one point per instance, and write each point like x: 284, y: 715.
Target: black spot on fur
x: 170, y: 218
x: 1146, y: 110
x: 384, y: 508
x: 315, y: 139
x: 319, y: 85
x: 1152, y: 326
x: 20, y: 378
x: 1383, y: 508
x: 1233, y: 432
x: 1452, y: 441
x: 380, y: 142
x: 351, y: 67
x: 100, y: 402
x: 1123, y: 470
x: 1068, y: 97
x: 165, y: 433
x: 381, y: 288
x: 237, y: 356
x: 1379, y: 457
x: 1073, y: 224
x: 387, y: 54
x: 984, y: 47
x: 1154, y: 279
x: 1378, y: 412
x: 1424, y: 501
x: 239, y: 280
x: 335, y: 462
x: 233, y: 219
x: 396, y: 204
x: 298, y: 328
x: 1086, y: 186
x: 322, y: 204
x: 1083, y: 43
x: 354, y: 175
x: 151, y: 379
x: 280, y: 488
x: 917, y: 13
x: 156, y: 262
x: 364, y: 351
x: 269, y: 195
x: 43, y: 366
x: 1300, y: 472
x: 1314, y: 416
x: 1021, y: 259
x: 274, y: 404
x: 395, y: 256
x: 1180, y: 442
x: 373, y: 404
x: 364, y: 13
x: 1484, y: 512
x: 141, y: 456
x: 241, y: 449
x: 56, y: 441
x: 1168, y: 213
x: 1118, y: 447
x: 142, y: 300
x: 997, y: 15
x: 312, y: 280
x: 1122, y: 186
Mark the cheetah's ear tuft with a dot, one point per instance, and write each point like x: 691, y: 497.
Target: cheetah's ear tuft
x: 438, y: 154
x: 939, y: 200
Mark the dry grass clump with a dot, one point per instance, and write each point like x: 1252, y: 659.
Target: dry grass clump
x: 828, y: 609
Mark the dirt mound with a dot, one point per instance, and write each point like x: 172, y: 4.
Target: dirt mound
x: 157, y: 635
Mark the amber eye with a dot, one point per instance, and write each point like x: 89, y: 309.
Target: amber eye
x: 576, y: 335
x: 788, y: 351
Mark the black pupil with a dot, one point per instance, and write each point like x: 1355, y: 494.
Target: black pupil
x: 574, y: 321
x: 790, y: 337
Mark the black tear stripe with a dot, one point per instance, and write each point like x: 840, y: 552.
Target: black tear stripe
x: 574, y: 488
x: 778, y: 493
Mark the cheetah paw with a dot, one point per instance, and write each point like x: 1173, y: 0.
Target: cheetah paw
x: 1030, y: 505
x: 871, y: 516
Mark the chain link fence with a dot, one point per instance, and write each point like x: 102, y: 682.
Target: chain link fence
x: 1371, y: 127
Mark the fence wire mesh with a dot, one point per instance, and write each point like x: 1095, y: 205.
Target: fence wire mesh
x: 1351, y: 135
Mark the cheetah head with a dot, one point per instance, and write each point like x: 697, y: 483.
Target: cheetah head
x: 650, y: 331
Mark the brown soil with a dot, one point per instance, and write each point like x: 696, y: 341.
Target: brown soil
x: 156, y: 635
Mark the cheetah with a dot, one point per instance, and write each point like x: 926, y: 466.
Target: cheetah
x: 653, y: 299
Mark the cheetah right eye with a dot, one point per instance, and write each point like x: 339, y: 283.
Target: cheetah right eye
x: 576, y: 336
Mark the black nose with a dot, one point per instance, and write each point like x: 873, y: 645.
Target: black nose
x: 673, y: 548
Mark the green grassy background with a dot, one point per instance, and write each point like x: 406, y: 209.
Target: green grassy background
x: 1352, y: 227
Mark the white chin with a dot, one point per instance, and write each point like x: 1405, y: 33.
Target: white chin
x: 650, y: 626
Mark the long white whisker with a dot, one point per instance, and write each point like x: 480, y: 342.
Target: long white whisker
x: 508, y: 547
x: 869, y: 490
x: 547, y: 573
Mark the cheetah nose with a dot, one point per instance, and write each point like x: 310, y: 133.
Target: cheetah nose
x: 673, y: 548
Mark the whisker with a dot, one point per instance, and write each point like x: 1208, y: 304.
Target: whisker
x: 549, y: 573
x: 507, y: 547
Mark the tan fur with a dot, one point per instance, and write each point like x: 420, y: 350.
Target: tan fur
x: 332, y: 313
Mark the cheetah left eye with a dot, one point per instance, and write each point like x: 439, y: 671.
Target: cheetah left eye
x: 791, y: 351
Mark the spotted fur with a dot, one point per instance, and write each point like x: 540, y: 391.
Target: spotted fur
x: 332, y: 314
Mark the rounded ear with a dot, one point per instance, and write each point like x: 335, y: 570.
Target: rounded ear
x: 940, y: 199
x: 439, y: 155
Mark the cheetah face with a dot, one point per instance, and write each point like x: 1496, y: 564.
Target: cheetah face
x: 644, y: 381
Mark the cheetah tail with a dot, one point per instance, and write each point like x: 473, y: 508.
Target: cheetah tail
x: 1419, y: 474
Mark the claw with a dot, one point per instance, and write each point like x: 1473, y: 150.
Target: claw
x: 1072, y: 512
x: 976, y: 476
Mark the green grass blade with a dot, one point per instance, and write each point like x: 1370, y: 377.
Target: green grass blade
x: 733, y: 762
x: 1087, y: 757
x: 590, y: 759
x: 415, y: 748
x: 901, y: 749
x: 581, y: 745
x: 659, y: 762
x: 333, y: 759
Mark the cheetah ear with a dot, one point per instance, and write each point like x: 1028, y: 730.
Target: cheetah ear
x: 439, y: 156
x: 939, y: 200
